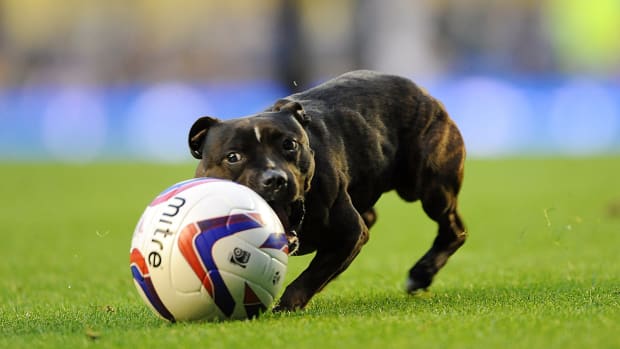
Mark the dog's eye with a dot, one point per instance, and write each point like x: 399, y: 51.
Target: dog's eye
x: 290, y: 145
x: 233, y: 157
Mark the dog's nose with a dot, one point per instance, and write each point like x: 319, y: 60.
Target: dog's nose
x: 273, y: 180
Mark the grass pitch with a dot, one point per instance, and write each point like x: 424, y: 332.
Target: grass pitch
x: 541, y: 268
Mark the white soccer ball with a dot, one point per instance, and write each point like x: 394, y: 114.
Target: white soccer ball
x: 208, y: 249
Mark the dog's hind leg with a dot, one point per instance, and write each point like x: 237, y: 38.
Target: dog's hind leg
x: 440, y: 204
x: 439, y: 182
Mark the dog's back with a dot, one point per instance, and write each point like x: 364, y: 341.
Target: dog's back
x: 394, y: 129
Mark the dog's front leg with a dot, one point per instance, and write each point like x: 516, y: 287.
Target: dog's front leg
x: 342, y: 242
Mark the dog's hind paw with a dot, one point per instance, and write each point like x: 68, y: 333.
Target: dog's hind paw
x: 413, y: 286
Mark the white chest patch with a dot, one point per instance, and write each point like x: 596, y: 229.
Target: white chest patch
x: 257, y: 133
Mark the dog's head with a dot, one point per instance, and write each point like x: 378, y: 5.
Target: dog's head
x: 268, y: 152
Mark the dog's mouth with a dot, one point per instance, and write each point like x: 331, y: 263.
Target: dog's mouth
x: 291, y: 216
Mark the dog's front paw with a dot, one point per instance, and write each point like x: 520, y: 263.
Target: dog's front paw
x: 291, y: 300
x: 286, y: 307
x: 280, y: 308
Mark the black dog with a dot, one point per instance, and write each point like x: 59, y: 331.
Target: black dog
x: 323, y: 157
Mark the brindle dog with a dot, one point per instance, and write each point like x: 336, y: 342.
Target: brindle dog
x: 323, y: 157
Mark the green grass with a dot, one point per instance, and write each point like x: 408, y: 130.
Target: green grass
x: 541, y: 268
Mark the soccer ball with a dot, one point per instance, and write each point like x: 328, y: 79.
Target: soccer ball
x: 208, y: 249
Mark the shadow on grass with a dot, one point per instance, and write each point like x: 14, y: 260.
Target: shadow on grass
x: 557, y: 296
x: 562, y: 297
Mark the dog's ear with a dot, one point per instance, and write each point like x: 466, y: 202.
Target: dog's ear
x: 294, y: 108
x: 198, y: 133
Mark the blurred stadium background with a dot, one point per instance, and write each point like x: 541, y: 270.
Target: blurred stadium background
x: 84, y: 81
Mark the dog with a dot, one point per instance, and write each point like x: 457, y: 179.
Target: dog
x: 322, y: 158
